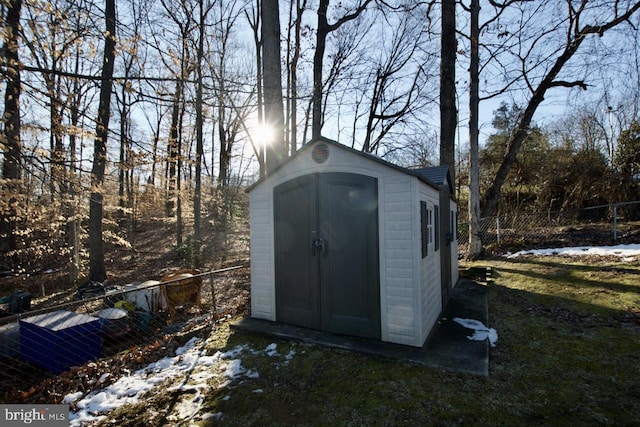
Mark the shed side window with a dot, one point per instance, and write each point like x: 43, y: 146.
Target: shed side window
x: 437, y: 227
x: 424, y: 228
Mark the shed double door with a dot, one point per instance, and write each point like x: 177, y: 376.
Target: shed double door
x: 326, y: 253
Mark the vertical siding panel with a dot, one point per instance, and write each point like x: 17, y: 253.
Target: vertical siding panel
x: 261, y: 244
x: 401, y: 318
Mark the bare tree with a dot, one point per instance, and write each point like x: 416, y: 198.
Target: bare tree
x: 475, y: 248
x: 448, y: 111
x: 323, y: 30
x: 51, y: 37
x: 129, y: 95
x: 197, y: 197
x: 78, y: 93
x: 541, y: 69
x: 10, y: 136
x: 397, y: 83
x: 294, y: 49
x: 475, y: 243
x: 97, y: 271
x: 253, y: 18
x: 272, y: 82
x: 182, y: 16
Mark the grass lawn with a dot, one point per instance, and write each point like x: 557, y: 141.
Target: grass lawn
x: 568, y: 354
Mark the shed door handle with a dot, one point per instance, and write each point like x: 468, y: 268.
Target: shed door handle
x: 318, y: 245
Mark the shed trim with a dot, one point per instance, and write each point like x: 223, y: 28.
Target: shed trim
x: 419, y: 173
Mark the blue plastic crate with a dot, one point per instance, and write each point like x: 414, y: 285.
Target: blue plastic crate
x: 61, y: 339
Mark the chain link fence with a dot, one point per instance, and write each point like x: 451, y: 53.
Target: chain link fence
x: 599, y: 225
x: 106, y: 332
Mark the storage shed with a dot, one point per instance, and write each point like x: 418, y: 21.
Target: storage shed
x: 345, y: 242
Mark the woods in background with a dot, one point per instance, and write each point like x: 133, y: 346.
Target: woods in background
x: 182, y: 130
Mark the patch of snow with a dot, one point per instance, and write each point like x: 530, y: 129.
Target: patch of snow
x: 104, y: 377
x: 70, y: 398
x: 625, y: 251
x: 217, y: 416
x: 190, y: 361
x: 271, y: 350
x: 481, y: 332
x: 289, y: 357
x: 234, y: 369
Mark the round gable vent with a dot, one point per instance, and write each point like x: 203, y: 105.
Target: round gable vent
x: 320, y: 153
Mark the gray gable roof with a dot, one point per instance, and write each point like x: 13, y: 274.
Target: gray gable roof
x: 436, y: 174
x: 433, y: 176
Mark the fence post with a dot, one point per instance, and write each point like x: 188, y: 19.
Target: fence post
x: 615, y: 222
x: 213, y: 297
x: 498, y: 229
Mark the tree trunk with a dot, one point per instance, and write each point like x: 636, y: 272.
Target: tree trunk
x: 173, y: 153
x: 272, y: 80
x: 318, y: 61
x: 179, y: 216
x: 296, y: 24
x: 448, y: 112
x: 57, y: 168
x: 73, y: 224
x: 97, y: 271
x: 254, y: 22
x: 197, y: 197
x: 12, y: 149
x: 123, y: 166
x: 475, y: 243
x: 294, y: 80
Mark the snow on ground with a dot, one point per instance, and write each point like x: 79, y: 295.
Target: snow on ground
x: 190, y: 371
x: 481, y: 332
x: 623, y: 251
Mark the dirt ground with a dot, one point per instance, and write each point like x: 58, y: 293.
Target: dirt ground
x: 153, y: 253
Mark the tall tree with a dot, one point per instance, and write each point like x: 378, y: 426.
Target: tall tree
x: 475, y: 243
x: 78, y: 91
x: 254, y: 19
x: 272, y: 83
x: 97, y: 271
x: 448, y: 111
x: 197, y: 197
x: 322, y: 32
x: 182, y: 15
x: 293, y: 57
x: 10, y: 137
x: 131, y: 57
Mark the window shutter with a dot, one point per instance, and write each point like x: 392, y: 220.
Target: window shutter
x: 424, y: 231
x: 437, y: 227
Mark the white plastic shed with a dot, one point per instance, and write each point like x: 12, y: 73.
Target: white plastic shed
x: 344, y: 242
